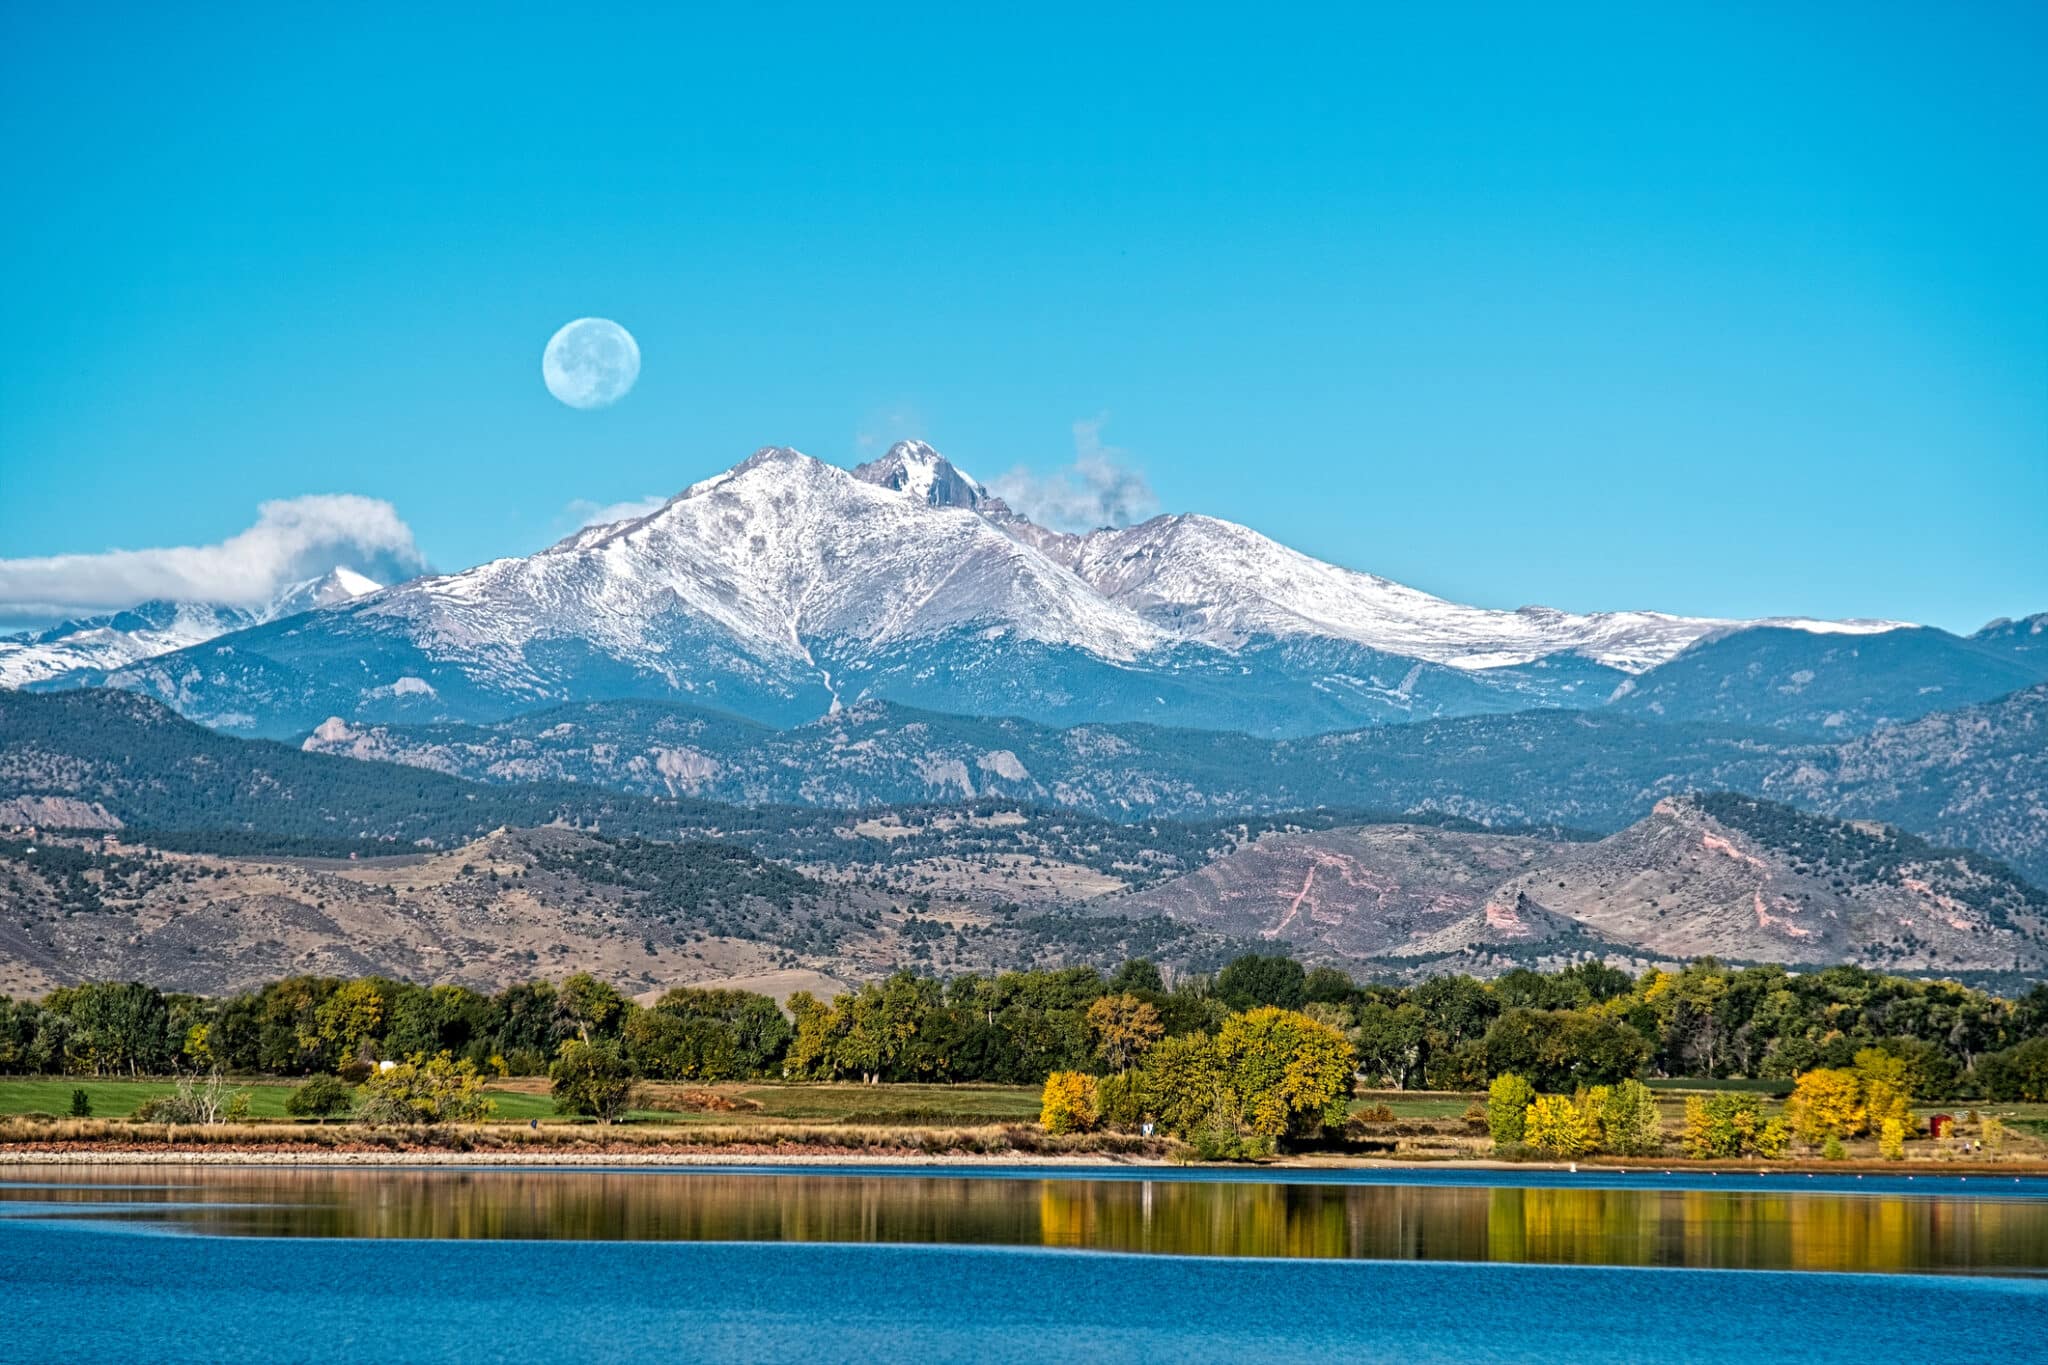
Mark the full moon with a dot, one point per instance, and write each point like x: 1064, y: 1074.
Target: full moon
x: 591, y: 363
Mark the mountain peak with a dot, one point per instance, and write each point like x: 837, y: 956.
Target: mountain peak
x: 916, y: 469
x: 338, y: 585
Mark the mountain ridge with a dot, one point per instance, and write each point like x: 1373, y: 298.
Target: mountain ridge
x: 783, y: 587
x: 1976, y: 777
x: 150, y: 629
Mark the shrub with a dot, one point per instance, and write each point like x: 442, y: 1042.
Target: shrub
x: 81, y: 1104
x: 424, y: 1089
x: 1832, y: 1149
x: 1891, y: 1140
x: 196, y: 1101
x: 321, y: 1097
x: 1069, y: 1103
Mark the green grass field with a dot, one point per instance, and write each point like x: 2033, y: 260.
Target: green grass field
x: 114, y: 1099
x: 1411, y: 1104
x: 965, y: 1105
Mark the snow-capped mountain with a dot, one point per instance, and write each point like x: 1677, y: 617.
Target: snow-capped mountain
x: 142, y: 632
x: 1216, y: 582
x: 785, y: 587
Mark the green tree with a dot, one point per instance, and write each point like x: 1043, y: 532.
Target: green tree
x: 1255, y: 979
x: 1135, y: 976
x: 590, y: 1008
x: 1507, y: 1110
x: 2017, y: 1073
x: 1629, y: 1123
x: 1389, y: 1040
x: 593, y: 1080
x: 81, y: 1104
x: 1721, y: 1125
x: 349, y: 1018
x: 1185, y: 1081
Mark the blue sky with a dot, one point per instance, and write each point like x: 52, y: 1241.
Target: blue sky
x: 1725, y: 309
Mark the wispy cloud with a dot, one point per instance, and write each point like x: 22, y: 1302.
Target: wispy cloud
x: 1098, y: 489
x: 884, y: 427
x: 583, y: 512
x: 293, y: 539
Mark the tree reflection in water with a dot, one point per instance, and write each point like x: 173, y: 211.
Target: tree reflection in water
x: 1722, y: 1228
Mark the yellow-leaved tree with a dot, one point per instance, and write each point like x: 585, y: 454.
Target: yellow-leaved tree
x: 1068, y: 1104
x: 1826, y: 1103
x: 1289, y: 1074
x: 349, y: 1018
x: 1124, y: 1028
x: 1557, y: 1126
x: 1887, y: 1089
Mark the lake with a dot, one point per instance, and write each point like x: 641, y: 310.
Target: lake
x: 1030, y: 1263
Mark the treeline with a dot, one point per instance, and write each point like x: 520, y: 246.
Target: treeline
x: 1588, y: 1024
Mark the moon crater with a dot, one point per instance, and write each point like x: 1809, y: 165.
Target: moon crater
x: 591, y: 363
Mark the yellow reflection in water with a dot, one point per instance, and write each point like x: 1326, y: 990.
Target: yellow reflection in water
x: 1576, y: 1225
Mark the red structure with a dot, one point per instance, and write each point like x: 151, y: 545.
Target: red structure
x: 1939, y: 1124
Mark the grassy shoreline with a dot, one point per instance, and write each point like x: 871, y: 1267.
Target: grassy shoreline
x: 96, y: 1142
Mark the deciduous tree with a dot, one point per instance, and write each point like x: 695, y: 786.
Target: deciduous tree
x: 1068, y: 1103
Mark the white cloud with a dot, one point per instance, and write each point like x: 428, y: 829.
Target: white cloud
x: 583, y: 512
x: 885, y: 426
x: 293, y: 539
x: 1096, y: 490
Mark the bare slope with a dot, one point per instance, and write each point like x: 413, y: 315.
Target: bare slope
x: 1727, y: 876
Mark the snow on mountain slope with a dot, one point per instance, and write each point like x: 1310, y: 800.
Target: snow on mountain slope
x: 331, y: 589
x: 153, y: 628
x: 775, y: 554
x: 1218, y: 583
x: 784, y: 587
x: 1224, y: 584
x: 914, y: 468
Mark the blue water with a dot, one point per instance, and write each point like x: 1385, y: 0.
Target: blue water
x: 912, y: 1264
x: 111, y: 1292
